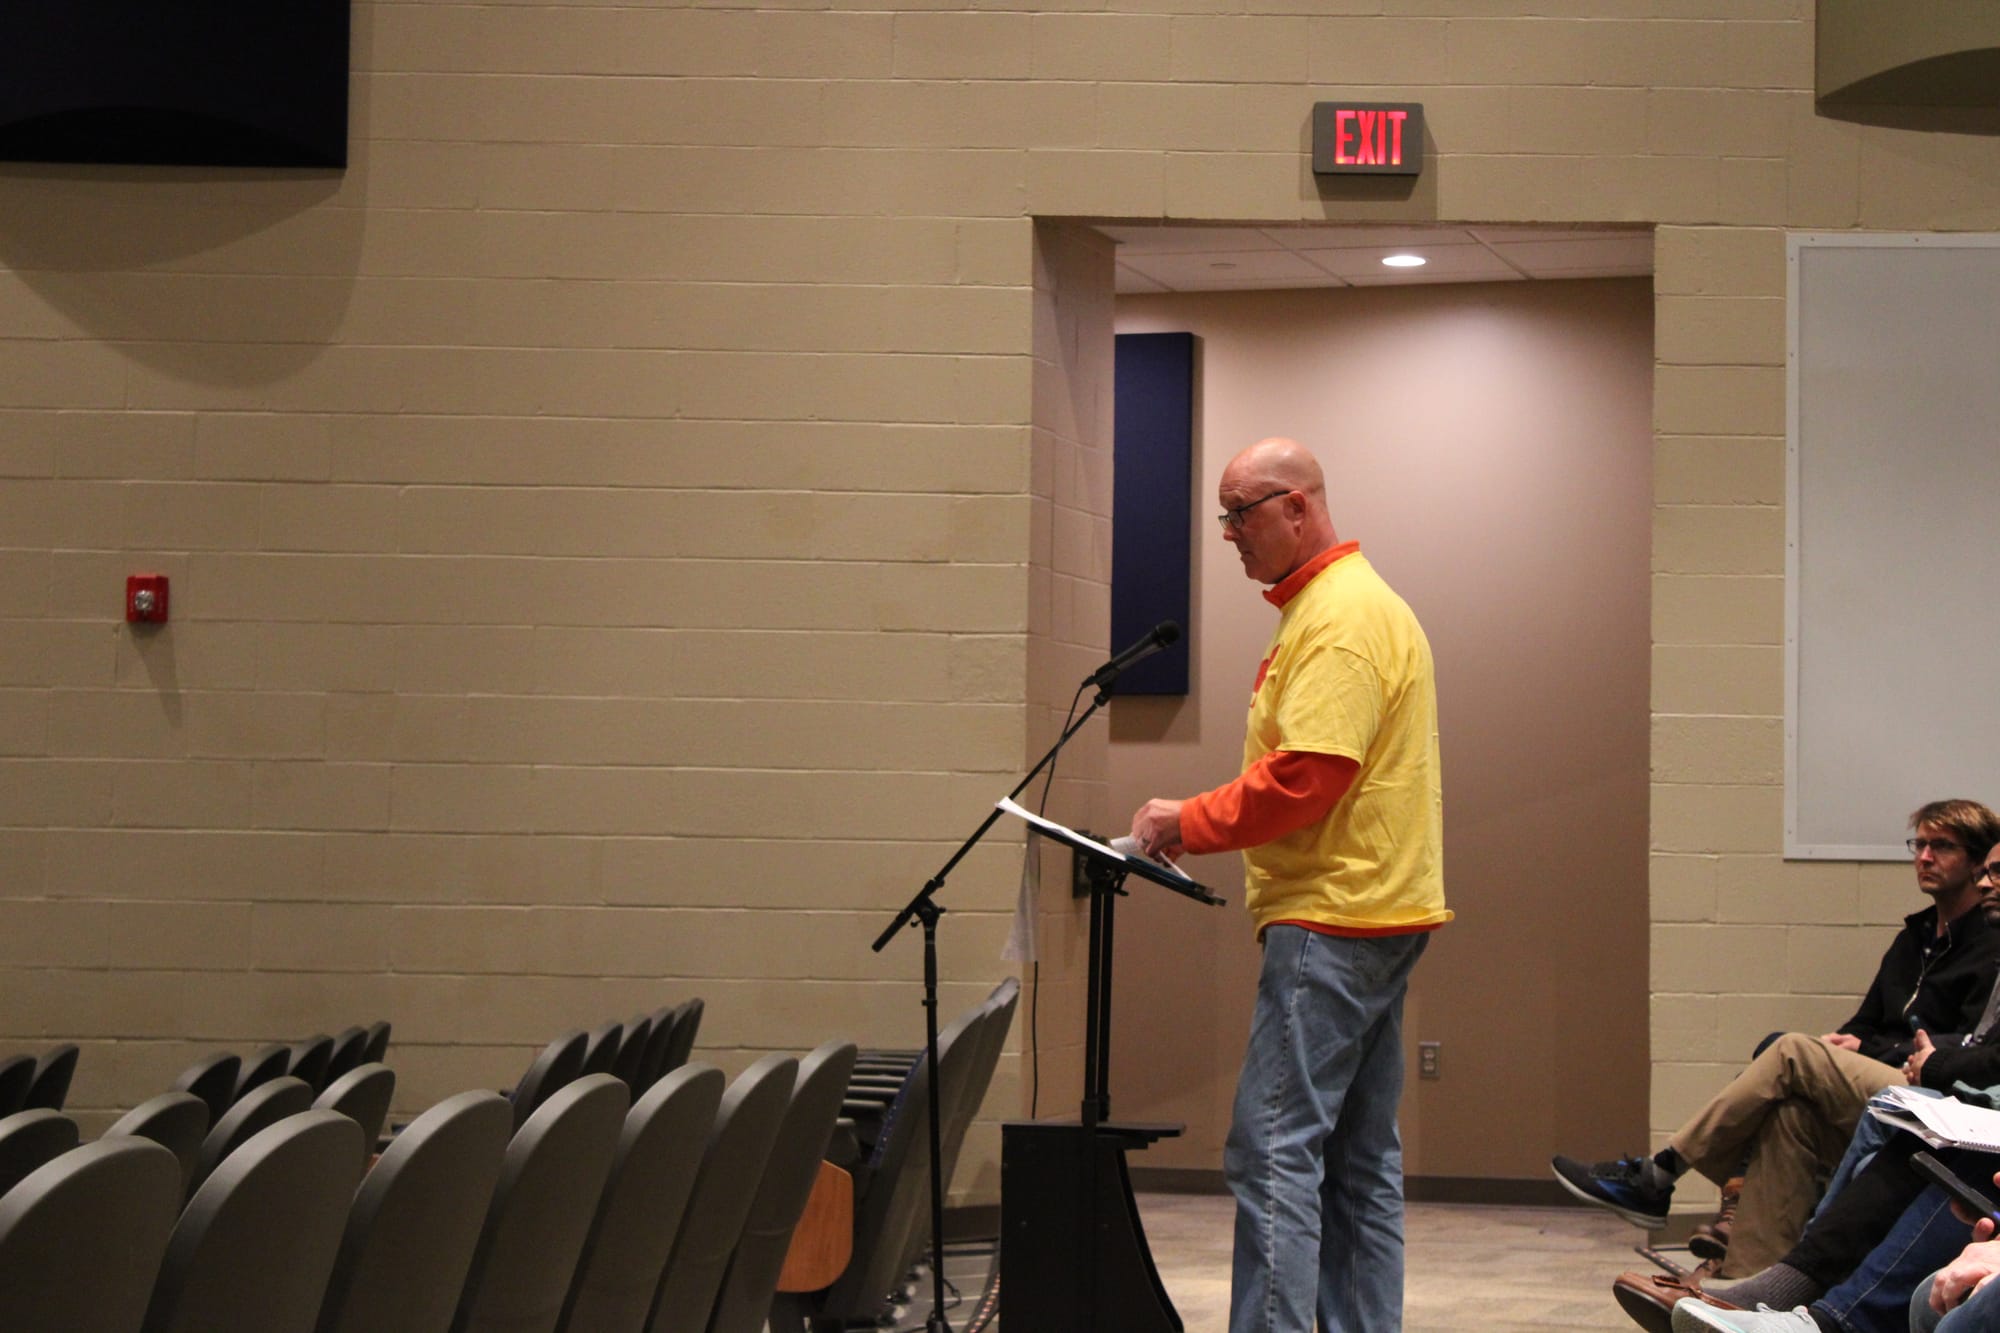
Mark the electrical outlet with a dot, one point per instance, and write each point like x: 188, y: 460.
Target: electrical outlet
x: 1429, y: 1053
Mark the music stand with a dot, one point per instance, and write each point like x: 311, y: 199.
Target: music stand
x: 1107, y: 872
x: 1075, y: 1247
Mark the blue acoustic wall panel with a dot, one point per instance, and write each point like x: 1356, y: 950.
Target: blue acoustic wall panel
x: 1151, y: 518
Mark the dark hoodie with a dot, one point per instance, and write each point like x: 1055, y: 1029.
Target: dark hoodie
x: 1935, y: 982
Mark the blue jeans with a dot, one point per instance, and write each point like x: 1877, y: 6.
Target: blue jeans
x: 1869, y: 1136
x: 1875, y: 1298
x: 1313, y: 1156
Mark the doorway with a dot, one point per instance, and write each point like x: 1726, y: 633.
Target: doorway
x: 1488, y: 441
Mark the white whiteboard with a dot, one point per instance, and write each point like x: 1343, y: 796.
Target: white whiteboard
x: 1892, y: 541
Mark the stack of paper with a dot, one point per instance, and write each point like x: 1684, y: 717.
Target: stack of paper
x: 1942, y: 1122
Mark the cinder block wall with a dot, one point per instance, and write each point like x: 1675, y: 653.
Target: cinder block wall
x: 624, y: 529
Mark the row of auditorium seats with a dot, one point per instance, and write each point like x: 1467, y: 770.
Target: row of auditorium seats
x: 638, y: 1054
x: 181, y: 1123
x: 576, y: 1204
x: 223, y: 1078
x: 884, y: 1141
x: 600, y: 1214
x: 30, y: 1082
x: 229, y: 1102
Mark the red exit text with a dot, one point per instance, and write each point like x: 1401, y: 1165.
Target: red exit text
x: 1368, y: 138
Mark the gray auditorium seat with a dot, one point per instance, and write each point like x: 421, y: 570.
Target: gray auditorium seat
x: 362, y: 1095
x: 377, y: 1045
x: 660, y: 1151
x: 746, y: 1125
x: 892, y: 1188
x: 997, y: 1017
x: 966, y: 1078
x: 310, y: 1059
x: 263, y: 1065
x: 263, y: 1106
x: 653, y: 1061
x: 744, y: 1302
x: 348, y: 1047
x: 874, y: 1091
x: 177, y: 1121
x: 548, y: 1192
x: 600, y: 1047
x: 672, y: 1040
x: 30, y: 1140
x: 252, y: 1251
x: 555, y: 1065
x: 17, y: 1074
x: 213, y: 1079
x: 50, y: 1087
x: 686, y: 1026
x: 81, y: 1237
x: 630, y: 1062
x: 410, y: 1234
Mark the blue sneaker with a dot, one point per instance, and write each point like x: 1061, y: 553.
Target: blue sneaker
x: 1625, y: 1187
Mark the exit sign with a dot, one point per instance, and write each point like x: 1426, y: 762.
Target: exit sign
x: 1368, y: 138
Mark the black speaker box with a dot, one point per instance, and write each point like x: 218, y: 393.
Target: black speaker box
x: 259, y: 83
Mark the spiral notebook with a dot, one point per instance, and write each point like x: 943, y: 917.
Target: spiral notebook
x: 1942, y: 1122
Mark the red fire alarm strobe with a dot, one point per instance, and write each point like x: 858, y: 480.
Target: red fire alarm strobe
x: 146, y: 599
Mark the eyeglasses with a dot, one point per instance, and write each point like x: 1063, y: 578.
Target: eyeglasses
x: 1935, y: 846
x: 1987, y: 875
x: 1232, y: 521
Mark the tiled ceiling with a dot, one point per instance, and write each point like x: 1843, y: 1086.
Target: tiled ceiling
x: 1215, y: 259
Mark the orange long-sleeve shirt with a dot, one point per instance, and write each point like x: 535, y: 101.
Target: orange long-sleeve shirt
x: 1281, y: 793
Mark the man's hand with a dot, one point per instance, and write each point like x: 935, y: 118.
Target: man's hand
x: 1973, y: 1269
x: 1913, y: 1068
x: 1157, y: 828
x: 1845, y: 1041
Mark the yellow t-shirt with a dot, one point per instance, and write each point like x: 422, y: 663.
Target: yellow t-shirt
x: 1348, y: 672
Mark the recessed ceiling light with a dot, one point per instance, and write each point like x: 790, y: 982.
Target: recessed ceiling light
x: 1405, y: 261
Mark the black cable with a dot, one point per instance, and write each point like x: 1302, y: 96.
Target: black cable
x: 1035, y: 985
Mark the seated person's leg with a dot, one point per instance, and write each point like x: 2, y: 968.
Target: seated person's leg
x: 1831, y: 1085
x: 1781, y: 1185
x: 1870, y: 1135
x: 1923, y: 1319
x: 1875, y: 1298
x: 1977, y: 1313
x: 1841, y: 1237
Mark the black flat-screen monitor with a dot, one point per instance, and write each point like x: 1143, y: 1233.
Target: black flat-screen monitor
x: 259, y: 83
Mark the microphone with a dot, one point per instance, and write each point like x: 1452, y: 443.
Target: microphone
x: 1156, y: 638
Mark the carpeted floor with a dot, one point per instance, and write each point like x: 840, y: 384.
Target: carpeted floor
x: 1499, y: 1270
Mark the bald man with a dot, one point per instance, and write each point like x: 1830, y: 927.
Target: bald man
x: 1339, y: 819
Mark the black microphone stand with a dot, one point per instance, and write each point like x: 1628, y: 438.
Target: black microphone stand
x: 924, y: 908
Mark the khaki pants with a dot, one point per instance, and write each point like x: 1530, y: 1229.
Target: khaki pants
x: 1781, y: 1124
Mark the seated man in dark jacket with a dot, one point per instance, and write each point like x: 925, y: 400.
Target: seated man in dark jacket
x: 1880, y: 1230
x: 1785, y: 1121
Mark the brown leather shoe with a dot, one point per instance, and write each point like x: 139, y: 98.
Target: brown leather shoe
x: 1710, y: 1240
x: 1650, y: 1297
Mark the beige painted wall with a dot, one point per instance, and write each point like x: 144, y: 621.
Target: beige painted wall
x: 602, y: 519
x: 1490, y: 446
